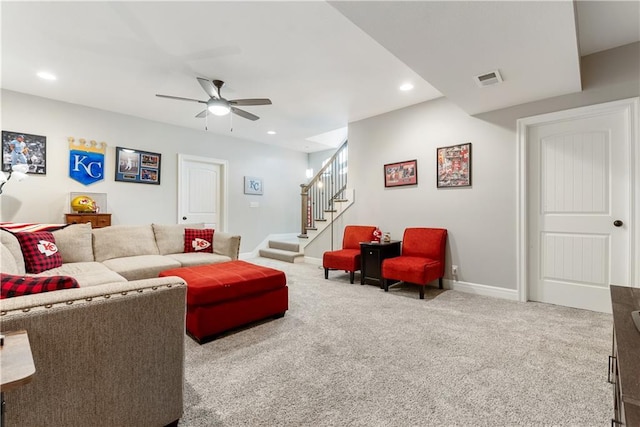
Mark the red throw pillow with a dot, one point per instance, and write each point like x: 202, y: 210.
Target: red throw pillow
x: 39, y: 250
x: 198, y: 240
x: 15, y: 286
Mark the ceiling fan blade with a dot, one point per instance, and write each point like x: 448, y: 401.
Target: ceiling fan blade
x: 245, y: 114
x: 179, y: 98
x: 253, y: 101
x: 208, y: 87
x: 202, y: 114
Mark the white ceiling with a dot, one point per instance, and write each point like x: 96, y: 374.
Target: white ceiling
x: 322, y: 64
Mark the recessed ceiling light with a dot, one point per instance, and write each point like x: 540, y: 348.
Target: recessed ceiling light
x: 405, y: 87
x: 46, y: 75
x: 271, y: 132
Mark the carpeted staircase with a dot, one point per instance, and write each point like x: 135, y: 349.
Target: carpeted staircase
x: 284, y: 251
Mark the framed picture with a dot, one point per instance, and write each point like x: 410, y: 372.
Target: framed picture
x: 137, y: 166
x: 252, y: 185
x: 402, y: 173
x: 454, y: 166
x: 24, y: 148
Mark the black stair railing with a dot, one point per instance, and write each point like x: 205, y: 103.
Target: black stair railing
x: 328, y: 185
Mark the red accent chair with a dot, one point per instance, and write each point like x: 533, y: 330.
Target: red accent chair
x: 348, y: 258
x: 421, y: 261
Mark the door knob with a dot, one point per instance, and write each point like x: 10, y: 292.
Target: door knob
x: 184, y: 218
x: 617, y: 223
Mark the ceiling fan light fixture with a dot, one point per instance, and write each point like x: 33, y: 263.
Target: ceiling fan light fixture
x: 218, y: 107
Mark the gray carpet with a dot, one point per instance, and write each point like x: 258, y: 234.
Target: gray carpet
x: 351, y: 355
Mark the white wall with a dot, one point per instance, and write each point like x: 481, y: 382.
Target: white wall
x: 481, y: 219
x: 45, y: 198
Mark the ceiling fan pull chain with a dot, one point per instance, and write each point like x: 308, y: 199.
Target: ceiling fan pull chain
x: 206, y: 121
x: 231, y: 121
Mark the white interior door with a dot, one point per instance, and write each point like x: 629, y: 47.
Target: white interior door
x: 579, y: 209
x: 201, y: 191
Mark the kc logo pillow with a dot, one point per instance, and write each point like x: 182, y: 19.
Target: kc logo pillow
x: 198, y: 240
x: 39, y: 251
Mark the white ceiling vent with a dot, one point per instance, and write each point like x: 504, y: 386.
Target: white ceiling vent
x: 488, y: 79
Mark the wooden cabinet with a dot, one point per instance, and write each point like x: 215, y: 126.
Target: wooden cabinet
x: 97, y: 220
x: 624, y: 363
x: 371, y: 257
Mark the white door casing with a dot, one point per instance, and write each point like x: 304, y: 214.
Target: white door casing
x: 576, y: 177
x: 202, y: 191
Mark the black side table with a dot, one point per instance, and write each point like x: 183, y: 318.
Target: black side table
x: 371, y: 256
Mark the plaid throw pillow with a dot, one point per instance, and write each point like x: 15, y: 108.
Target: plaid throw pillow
x: 198, y: 240
x: 15, y: 286
x: 39, y: 250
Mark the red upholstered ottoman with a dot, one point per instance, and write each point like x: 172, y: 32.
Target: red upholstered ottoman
x: 224, y: 296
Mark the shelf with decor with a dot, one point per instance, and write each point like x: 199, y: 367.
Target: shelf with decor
x: 88, y: 207
x: 97, y: 220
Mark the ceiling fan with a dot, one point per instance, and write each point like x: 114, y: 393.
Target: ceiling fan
x: 219, y: 106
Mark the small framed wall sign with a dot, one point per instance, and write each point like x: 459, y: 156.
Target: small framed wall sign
x: 454, y: 166
x: 252, y: 185
x: 24, y: 148
x: 138, y: 166
x: 401, y: 173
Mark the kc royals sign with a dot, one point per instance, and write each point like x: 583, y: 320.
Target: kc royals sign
x: 86, y: 160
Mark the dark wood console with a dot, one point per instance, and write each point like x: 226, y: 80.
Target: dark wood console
x: 371, y: 256
x: 624, y: 363
x: 97, y: 220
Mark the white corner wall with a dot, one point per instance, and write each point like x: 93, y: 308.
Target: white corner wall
x: 45, y: 198
x: 480, y: 219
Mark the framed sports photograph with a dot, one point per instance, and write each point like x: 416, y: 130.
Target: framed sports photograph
x: 401, y: 173
x: 24, y: 148
x: 138, y: 166
x: 454, y: 166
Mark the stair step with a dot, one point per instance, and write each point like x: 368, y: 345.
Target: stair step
x: 285, y: 246
x: 282, y: 255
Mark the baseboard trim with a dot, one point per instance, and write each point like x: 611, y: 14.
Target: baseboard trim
x: 470, y: 288
x: 312, y: 260
x: 484, y: 290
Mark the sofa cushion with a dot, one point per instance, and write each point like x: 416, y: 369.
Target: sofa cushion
x: 8, y: 262
x: 11, y: 251
x: 74, y: 243
x: 198, y: 240
x: 198, y: 258
x: 141, y: 266
x: 170, y: 237
x: 227, y: 244
x: 16, y: 285
x: 86, y: 273
x: 118, y: 241
x: 39, y: 250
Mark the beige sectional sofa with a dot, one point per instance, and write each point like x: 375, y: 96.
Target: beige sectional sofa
x: 110, y: 353
x: 120, y: 253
